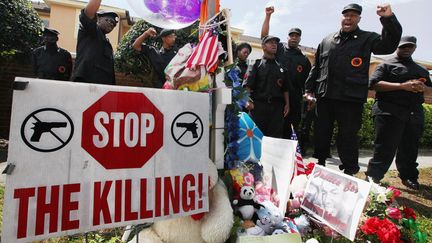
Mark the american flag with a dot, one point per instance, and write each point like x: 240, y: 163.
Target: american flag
x: 299, y: 167
x: 206, y: 52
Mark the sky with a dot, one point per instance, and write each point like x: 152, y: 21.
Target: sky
x: 318, y: 18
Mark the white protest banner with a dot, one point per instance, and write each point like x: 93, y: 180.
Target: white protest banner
x: 336, y: 199
x: 277, y: 158
x: 93, y: 156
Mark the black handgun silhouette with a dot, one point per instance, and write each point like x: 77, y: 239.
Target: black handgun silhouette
x: 42, y: 127
x: 192, y: 127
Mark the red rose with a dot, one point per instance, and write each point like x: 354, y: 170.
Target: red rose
x: 384, y: 229
x: 394, y: 213
x: 409, y: 213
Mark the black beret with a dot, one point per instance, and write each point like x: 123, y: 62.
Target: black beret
x: 48, y: 31
x: 295, y: 30
x: 352, y: 7
x: 267, y: 38
x: 111, y: 14
x: 166, y: 32
x: 407, y: 40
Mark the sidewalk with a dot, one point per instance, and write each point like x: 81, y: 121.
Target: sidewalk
x: 424, y: 159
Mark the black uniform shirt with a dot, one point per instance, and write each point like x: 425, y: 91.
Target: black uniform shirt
x: 298, y: 67
x: 342, y: 61
x: 399, y: 103
x: 159, y: 59
x: 267, y: 80
x: 52, y: 64
x: 94, y: 61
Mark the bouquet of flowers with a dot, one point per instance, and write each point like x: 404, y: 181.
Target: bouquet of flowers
x: 385, y: 221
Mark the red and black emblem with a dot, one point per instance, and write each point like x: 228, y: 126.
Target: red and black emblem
x: 356, y: 61
x: 299, y: 68
x: 279, y: 82
x: 61, y: 69
x: 422, y: 79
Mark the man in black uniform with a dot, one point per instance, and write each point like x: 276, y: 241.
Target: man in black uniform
x: 339, y: 81
x: 268, y: 86
x: 50, y: 61
x: 398, y: 114
x: 298, y: 66
x: 159, y: 59
x: 94, y: 61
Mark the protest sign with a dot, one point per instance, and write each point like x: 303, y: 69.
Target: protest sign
x: 336, y: 199
x: 90, y: 156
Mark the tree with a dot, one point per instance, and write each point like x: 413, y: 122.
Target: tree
x: 130, y: 62
x: 20, y: 29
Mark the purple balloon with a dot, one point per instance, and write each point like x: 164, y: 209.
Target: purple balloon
x: 182, y: 11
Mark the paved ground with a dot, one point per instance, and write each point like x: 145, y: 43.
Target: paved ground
x: 424, y: 160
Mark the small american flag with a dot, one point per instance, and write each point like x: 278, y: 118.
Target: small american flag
x: 299, y: 167
x: 206, y: 53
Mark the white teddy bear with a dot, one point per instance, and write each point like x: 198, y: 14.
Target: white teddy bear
x: 215, y: 226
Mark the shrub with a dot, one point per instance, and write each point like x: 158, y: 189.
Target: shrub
x: 130, y: 62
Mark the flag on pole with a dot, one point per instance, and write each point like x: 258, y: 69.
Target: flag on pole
x: 206, y: 53
x: 299, y: 167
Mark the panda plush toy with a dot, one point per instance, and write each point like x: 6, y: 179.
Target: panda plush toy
x: 246, y: 206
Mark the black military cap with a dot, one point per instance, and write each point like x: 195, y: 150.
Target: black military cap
x: 352, y: 7
x: 48, y: 31
x: 244, y: 45
x: 111, y: 14
x: 268, y: 38
x: 166, y: 32
x: 295, y: 30
x: 408, y: 40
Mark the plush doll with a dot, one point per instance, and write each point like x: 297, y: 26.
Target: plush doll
x: 214, y: 226
x: 264, y: 220
x: 246, y: 205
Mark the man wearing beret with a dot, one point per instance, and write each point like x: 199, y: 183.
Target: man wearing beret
x: 339, y: 81
x: 400, y: 85
x: 94, y: 61
x: 298, y: 66
x: 267, y: 84
x: 50, y: 61
x: 159, y: 59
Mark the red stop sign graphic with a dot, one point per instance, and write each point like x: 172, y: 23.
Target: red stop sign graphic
x: 122, y: 130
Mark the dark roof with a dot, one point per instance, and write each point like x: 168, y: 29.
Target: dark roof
x: 40, y: 6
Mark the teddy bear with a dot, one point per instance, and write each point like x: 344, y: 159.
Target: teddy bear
x: 214, y: 226
x: 246, y: 205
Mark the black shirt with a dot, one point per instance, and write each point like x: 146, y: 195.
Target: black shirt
x: 94, y: 61
x: 342, y: 61
x: 159, y: 59
x: 52, y: 63
x: 267, y: 80
x: 298, y: 67
x: 399, y: 103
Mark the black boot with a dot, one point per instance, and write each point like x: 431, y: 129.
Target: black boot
x: 322, y: 162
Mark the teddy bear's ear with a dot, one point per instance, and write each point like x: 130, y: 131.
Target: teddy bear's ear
x: 213, y: 174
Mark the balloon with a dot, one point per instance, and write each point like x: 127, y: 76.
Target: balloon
x: 168, y: 14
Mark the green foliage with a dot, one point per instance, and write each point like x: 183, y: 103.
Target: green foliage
x: 426, y: 140
x: 131, y: 62
x: 367, y: 130
x: 20, y: 28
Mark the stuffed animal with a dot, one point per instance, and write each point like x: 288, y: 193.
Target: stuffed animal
x: 215, y: 226
x: 246, y: 205
x: 264, y: 220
